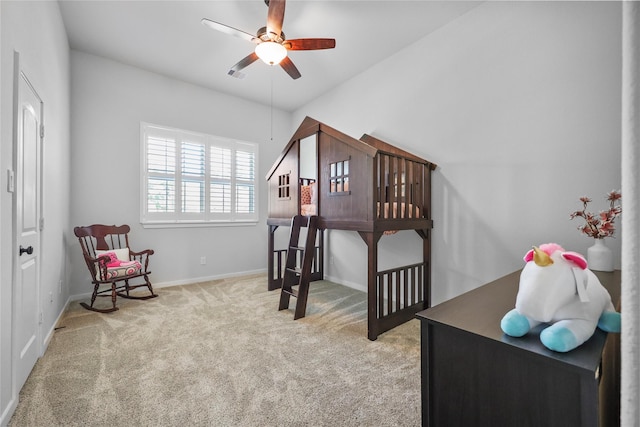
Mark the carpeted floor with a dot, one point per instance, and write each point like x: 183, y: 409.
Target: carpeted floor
x: 221, y: 354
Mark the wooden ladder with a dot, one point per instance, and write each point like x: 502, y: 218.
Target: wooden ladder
x: 299, y: 276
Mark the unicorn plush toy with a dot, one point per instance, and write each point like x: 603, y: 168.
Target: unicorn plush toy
x: 557, y: 288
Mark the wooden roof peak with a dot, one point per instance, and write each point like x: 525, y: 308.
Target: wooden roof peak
x: 367, y: 143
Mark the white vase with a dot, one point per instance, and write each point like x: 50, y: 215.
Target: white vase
x: 599, y: 256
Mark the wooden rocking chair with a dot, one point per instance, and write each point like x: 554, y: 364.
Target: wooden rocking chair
x: 111, y: 262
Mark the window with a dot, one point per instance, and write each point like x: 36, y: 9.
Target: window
x: 192, y: 178
x: 339, y: 177
x: 284, y: 186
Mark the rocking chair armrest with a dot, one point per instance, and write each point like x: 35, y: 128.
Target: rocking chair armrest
x: 100, y: 259
x: 146, y: 251
x: 99, y: 264
x: 142, y: 257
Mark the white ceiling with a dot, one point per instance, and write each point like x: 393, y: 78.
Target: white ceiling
x: 167, y: 37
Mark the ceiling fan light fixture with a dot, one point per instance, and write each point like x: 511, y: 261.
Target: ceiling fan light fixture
x: 271, y: 52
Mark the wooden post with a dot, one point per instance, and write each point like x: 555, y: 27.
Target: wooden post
x: 371, y: 239
x: 426, y: 259
x: 271, y: 282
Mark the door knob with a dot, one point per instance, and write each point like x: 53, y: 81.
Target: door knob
x: 29, y: 250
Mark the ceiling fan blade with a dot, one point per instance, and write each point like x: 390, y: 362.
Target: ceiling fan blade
x: 309, y: 44
x: 288, y: 66
x: 275, y: 16
x: 229, y: 30
x: 244, y: 62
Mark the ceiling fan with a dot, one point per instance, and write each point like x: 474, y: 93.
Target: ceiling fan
x: 271, y: 43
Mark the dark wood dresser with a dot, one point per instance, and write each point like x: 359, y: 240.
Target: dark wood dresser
x: 475, y: 375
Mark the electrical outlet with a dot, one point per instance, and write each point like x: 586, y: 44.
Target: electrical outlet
x: 60, y: 286
x: 50, y: 297
x: 331, y: 260
x: 203, y: 260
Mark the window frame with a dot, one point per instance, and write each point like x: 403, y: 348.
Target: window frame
x: 205, y: 218
x: 338, y: 176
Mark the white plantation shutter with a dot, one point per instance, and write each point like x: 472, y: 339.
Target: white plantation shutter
x: 161, y: 174
x: 220, y: 198
x: 245, y: 181
x: 191, y: 178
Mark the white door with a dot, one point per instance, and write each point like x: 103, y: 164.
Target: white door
x: 27, y: 221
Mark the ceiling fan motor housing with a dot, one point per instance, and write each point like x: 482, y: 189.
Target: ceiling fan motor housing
x: 265, y: 36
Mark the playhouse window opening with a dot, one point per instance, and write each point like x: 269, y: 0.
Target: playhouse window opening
x: 284, y: 186
x: 339, y: 177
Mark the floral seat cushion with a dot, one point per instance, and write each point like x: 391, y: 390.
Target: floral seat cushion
x: 118, y: 265
x: 131, y: 267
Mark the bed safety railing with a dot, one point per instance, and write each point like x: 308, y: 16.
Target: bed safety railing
x: 400, y: 288
x: 402, y: 187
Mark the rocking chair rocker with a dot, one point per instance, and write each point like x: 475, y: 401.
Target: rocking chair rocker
x: 111, y: 262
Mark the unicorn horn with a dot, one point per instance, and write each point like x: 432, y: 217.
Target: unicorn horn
x: 541, y: 258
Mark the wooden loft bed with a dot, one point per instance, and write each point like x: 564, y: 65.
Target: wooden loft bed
x: 364, y: 185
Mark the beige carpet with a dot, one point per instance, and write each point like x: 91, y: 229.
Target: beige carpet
x: 221, y: 354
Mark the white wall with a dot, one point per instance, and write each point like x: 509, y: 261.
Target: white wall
x: 108, y: 102
x: 518, y: 103
x: 36, y: 31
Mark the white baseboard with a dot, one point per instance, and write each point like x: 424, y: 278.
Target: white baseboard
x: 190, y: 281
x: 207, y: 278
x: 8, y: 411
x: 357, y: 286
x: 49, y: 336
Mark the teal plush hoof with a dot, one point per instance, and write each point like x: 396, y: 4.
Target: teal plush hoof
x: 610, y: 321
x: 514, y: 324
x: 558, y: 339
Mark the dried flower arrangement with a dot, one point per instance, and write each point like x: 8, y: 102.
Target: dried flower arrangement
x: 601, y: 225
